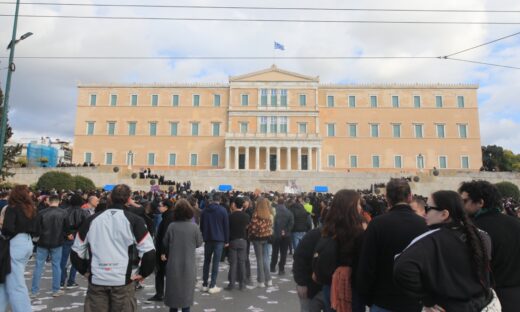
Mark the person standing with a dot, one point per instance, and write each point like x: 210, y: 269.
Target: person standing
x: 19, y: 225
x: 113, y: 249
x: 181, y: 239
x: 52, y: 228
x: 302, y: 222
x: 283, y: 225
x: 238, y: 222
x: 260, y: 230
x: 214, y: 225
x: 386, y: 236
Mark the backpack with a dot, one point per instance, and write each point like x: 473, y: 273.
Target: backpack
x: 325, y: 260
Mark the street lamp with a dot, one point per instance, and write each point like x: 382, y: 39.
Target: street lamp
x: 10, y: 70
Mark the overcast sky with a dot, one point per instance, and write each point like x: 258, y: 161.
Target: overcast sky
x: 44, y: 93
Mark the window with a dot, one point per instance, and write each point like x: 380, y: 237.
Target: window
x: 353, y: 161
x: 172, y: 159
x: 331, y: 129
x: 174, y: 127
x: 375, y: 161
x: 443, y: 162
x: 113, y: 99
x: 420, y: 161
x: 283, y: 124
x: 88, y: 157
x: 108, y: 159
x: 373, y: 101
x: 283, y: 97
x: 193, y: 159
x: 396, y: 130
x: 463, y: 131
x: 194, y: 128
x: 111, y: 127
x: 416, y: 101
x: 93, y: 100
x: 263, y: 124
x: 460, y: 101
x: 440, y: 131
x: 398, y: 161
x: 216, y: 100
x: 418, y: 130
x: 395, y: 101
x: 90, y: 127
x: 175, y: 100
x: 374, y: 130
x: 245, y: 99
x: 302, y: 127
x: 303, y: 100
x: 151, y: 159
x: 274, y: 126
x: 274, y: 98
x: 351, y: 101
x: 332, y: 161
x: 438, y: 101
x: 330, y: 101
x: 263, y: 97
x: 214, y: 160
x: 215, y: 126
x: 352, y: 130
x: 153, y: 128
x: 464, y: 162
x: 133, y: 100
x: 196, y: 100
x: 244, y: 127
x: 131, y: 127
x: 155, y: 99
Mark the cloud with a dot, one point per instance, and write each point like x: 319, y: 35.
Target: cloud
x: 43, y: 97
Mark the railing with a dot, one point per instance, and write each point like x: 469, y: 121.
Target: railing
x: 231, y: 135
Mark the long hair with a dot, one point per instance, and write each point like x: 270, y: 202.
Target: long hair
x: 21, y: 199
x: 452, y: 202
x: 343, y: 221
x: 263, y: 208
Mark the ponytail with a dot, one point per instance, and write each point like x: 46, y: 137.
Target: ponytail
x: 479, y: 256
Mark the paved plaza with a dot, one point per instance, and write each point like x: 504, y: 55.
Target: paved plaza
x: 280, y: 297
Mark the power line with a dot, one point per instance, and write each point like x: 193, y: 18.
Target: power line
x: 483, y: 44
x: 224, y: 57
x: 260, y: 7
x: 261, y: 20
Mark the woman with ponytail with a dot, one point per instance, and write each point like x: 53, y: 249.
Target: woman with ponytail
x: 447, y: 268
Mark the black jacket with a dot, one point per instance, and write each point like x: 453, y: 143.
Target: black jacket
x: 302, y: 264
x: 283, y: 221
x: 76, y: 217
x: 437, y: 269
x: 302, y: 219
x: 386, y: 236
x: 52, y: 225
x: 167, y: 218
x: 505, y: 257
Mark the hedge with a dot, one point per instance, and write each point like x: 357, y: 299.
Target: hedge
x: 64, y: 181
x: 508, y: 189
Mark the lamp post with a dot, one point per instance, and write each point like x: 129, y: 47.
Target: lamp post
x: 10, y: 69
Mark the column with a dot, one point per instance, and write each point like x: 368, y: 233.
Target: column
x: 309, y: 158
x: 278, y: 160
x: 289, y: 159
x: 257, y: 158
x: 318, y: 159
x: 267, y: 158
x: 236, y: 157
x: 227, y: 157
x: 299, y: 158
x: 247, y: 157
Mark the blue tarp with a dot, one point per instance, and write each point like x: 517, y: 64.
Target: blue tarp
x: 36, y: 153
x: 109, y: 187
x: 225, y: 187
x: 321, y: 188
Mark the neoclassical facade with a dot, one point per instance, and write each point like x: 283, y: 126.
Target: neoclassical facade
x: 280, y: 121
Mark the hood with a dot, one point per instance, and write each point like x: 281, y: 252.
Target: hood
x: 213, y: 207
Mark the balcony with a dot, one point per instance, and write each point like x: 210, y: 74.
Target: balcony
x: 287, y: 136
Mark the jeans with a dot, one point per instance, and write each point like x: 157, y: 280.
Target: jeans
x: 14, y: 290
x: 296, y: 238
x: 41, y: 256
x: 314, y: 304
x: 375, y: 308
x: 326, y: 298
x: 262, y: 250
x: 237, y: 261
x: 211, y: 249
x: 157, y: 218
x: 280, y: 244
x: 67, y: 246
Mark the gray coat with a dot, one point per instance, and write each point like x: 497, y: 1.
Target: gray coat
x: 180, y: 242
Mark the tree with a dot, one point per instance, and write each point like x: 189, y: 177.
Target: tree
x: 508, y: 190
x: 496, y: 158
x: 56, y: 180
x: 10, y: 152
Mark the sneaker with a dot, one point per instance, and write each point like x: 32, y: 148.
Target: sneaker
x: 58, y: 293
x: 261, y: 285
x: 281, y: 273
x: 269, y: 283
x: 155, y: 298
x: 33, y: 296
x: 205, y: 289
x: 214, y: 290
x: 72, y: 285
x: 273, y: 270
x: 62, y: 286
x: 229, y: 288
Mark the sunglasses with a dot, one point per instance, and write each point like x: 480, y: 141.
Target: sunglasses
x: 429, y: 207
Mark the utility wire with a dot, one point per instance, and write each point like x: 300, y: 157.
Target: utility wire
x: 481, y: 45
x: 259, y: 7
x: 223, y: 57
x: 261, y: 20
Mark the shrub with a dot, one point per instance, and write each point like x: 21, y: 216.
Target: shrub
x: 55, y: 180
x: 508, y: 189
x: 83, y: 183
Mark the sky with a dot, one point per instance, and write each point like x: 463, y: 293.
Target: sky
x: 44, y: 92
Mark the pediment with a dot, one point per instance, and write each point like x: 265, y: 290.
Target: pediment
x: 273, y: 74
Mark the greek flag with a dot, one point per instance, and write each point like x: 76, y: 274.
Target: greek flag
x: 278, y: 46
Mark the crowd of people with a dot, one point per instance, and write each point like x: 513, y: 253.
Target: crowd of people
x: 452, y: 251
